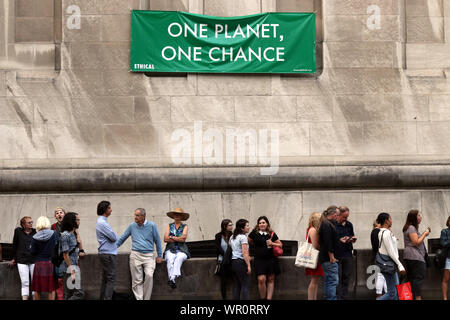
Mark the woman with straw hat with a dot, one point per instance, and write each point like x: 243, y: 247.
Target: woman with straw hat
x: 176, y: 249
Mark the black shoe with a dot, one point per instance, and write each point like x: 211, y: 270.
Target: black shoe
x: 172, y: 284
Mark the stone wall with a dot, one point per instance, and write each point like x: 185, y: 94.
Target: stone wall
x: 288, y: 211
x: 370, y: 129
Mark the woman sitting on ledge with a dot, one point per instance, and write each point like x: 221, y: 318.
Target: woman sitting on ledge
x: 176, y: 250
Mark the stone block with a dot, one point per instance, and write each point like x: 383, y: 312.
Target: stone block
x: 295, y: 6
x: 315, y: 108
x: 152, y: 109
x: 391, y: 201
x: 170, y: 86
x: 314, y: 201
x: 434, y: 209
x: 33, y: 56
x: 434, y: 137
x: 295, y: 86
x: 120, y: 83
x: 75, y: 141
x: 198, y: 108
x: 342, y: 28
x: 429, y: 85
x: 116, y: 28
x: 269, y: 5
x: 424, y: 8
x: 118, y: 6
x: 103, y: 110
x: 169, y: 140
x: 34, y: 30
x: 359, y: 7
x: 103, y: 56
x: 91, y: 30
x: 364, y: 81
x: 437, y: 56
x: 16, y: 111
x: 44, y: 8
x: 205, y: 209
x: 440, y: 108
x: 277, y: 207
x: 359, y: 108
x: 52, y: 109
x: 25, y: 8
x: 266, y: 109
x: 170, y: 5
x: 359, y: 54
x: 79, y: 83
x: 2, y: 84
x: 126, y: 140
x: 336, y: 138
x: 17, y: 206
x: 425, y: 29
x: 34, y: 8
x: 227, y: 8
x: 231, y: 85
x: 22, y: 141
x: 390, y: 138
x: 87, y: 7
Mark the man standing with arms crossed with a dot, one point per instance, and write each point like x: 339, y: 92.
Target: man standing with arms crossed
x: 107, y: 250
x: 144, y: 234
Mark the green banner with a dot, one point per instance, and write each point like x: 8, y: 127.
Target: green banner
x: 169, y: 41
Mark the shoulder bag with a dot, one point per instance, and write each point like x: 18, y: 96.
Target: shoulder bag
x: 385, y: 262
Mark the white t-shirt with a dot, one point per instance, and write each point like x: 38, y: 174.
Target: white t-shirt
x: 236, y: 246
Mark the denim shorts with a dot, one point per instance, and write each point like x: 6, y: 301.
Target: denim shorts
x: 447, y: 264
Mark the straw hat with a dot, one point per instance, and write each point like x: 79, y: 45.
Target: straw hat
x: 184, y: 215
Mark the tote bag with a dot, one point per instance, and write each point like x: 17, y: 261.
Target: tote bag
x: 404, y: 291
x: 307, y: 255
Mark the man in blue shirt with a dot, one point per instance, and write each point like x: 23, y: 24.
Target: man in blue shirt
x: 107, y: 250
x: 144, y: 234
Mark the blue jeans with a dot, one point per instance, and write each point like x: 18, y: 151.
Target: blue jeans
x: 391, y: 282
x: 331, y: 280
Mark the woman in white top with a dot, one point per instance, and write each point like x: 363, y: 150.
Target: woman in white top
x: 388, y: 247
x: 240, y: 260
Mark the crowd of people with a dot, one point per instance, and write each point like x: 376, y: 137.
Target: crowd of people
x: 49, y: 255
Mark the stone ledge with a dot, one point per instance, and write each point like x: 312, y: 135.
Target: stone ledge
x: 199, y: 282
x: 223, y: 178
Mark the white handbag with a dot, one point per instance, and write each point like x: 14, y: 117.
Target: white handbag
x: 307, y: 255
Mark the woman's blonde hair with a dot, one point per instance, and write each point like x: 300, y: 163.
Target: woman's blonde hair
x: 375, y: 224
x: 42, y: 223
x: 314, y: 220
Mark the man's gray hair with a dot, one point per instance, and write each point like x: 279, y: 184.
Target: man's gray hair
x: 343, y: 209
x: 141, y: 211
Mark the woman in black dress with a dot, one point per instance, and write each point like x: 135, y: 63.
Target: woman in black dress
x: 265, y: 263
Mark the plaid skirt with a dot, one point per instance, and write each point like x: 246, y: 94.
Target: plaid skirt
x: 43, y: 277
